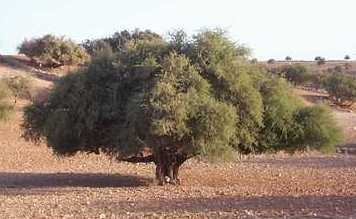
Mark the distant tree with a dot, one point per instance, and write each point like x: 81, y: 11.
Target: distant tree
x: 271, y: 61
x: 341, y: 88
x: 288, y: 58
x: 347, y: 57
x: 153, y: 101
x: 53, y: 51
x: 320, y: 60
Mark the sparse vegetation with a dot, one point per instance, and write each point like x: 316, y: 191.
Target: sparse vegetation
x: 52, y: 51
x: 341, y: 88
x: 20, y: 87
x: 5, y: 107
x: 288, y: 58
x: 347, y: 57
x: 297, y: 74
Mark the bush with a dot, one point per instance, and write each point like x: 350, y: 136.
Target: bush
x: 118, y: 41
x: 52, y: 51
x: 347, y: 57
x: 317, y: 129
x: 205, y: 99
x: 5, y: 107
x: 280, y: 106
x: 341, y: 88
x: 297, y: 74
x: 291, y: 127
x: 20, y: 87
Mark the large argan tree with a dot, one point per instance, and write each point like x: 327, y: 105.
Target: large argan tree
x: 162, y: 101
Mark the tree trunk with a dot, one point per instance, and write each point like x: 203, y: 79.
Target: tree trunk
x: 168, y: 162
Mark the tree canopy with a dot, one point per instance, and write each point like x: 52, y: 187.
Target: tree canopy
x: 177, y: 99
x: 53, y: 51
x: 342, y: 88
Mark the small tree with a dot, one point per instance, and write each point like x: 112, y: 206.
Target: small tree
x: 347, y: 57
x: 320, y: 60
x: 52, y: 51
x: 173, y: 104
x: 341, y: 88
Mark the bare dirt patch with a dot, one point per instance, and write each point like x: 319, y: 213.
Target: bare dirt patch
x: 35, y: 184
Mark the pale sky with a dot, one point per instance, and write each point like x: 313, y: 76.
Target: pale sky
x: 301, y: 29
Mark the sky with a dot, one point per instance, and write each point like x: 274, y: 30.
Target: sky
x: 275, y: 29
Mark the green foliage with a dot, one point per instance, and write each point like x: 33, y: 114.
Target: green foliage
x: 198, y: 96
x: 280, y: 106
x: 20, y: 87
x: 53, y: 51
x: 297, y: 74
x: 290, y: 126
x: 317, y: 129
x: 118, y: 41
x: 342, y: 88
x: 5, y: 107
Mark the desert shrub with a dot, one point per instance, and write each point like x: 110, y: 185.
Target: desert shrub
x: 291, y: 127
x: 5, y: 107
x: 280, y: 106
x: 347, y: 57
x: 317, y: 129
x: 288, y: 58
x: 53, y: 51
x: 297, y: 74
x: 205, y: 99
x: 118, y: 41
x: 20, y: 87
x: 341, y: 88
x: 95, y: 46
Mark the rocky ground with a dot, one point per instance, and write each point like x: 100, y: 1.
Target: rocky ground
x: 36, y: 184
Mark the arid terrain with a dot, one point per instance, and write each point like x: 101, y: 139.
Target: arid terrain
x: 36, y: 184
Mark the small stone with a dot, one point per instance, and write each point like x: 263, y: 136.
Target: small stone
x: 102, y: 216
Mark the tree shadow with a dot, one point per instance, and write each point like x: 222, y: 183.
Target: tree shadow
x: 270, y: 206
x: 62, y: 180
